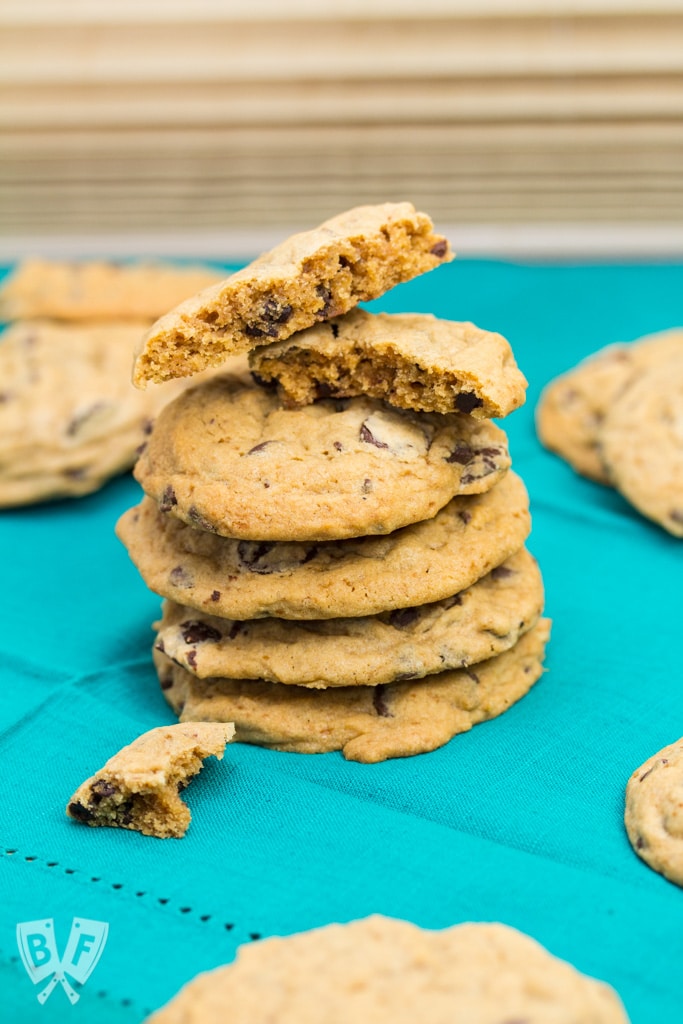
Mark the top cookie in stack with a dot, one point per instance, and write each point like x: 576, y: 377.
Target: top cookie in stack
x: 355, y: 484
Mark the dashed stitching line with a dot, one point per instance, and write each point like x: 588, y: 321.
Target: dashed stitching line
x: 117, y: 886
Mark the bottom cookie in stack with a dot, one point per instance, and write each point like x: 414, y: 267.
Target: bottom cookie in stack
x: 367, y: 723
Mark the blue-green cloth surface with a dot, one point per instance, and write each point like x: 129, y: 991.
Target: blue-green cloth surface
x: 520, y: 820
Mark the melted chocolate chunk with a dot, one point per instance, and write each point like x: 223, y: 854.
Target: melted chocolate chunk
x: 272, y: 314
x: 335, y: 330
x: 440, y: 248
x: 235, y: 630
x: 452, y: 602
x: 367, y: 435
x: 403, y: 617
x: 324, y: 293
x: 462, y: 455
x: 126, y: 812
x: 466, y: 401
x: 100, y: 789
x: 465, y: 516
x: 181, y: 577
x: 197, y: 632
x: 166, y: 683
x: 159, y: 646
x: 81, y: 813
x: 269, y: 385
x: 215, y: 595
x: 344, y: 262
x: 250, y: 554
x: 487, y: 465
x: 81, y: 418
x: 259, y: 447
x: 168, y: 500
x: 192, y: 658
x: 199, y: 520
x: 254, y: 331
x: 379, y: 703
x: 501, y: 572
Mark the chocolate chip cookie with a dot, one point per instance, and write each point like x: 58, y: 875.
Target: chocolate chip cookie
x: 413, y: 361
x: 572, y: 408
x: 654, y: 812
x: 69, y: 417
x: 138, y: 787
x: 641, y: 443
x: 367, y: 723
x: 485, y: 619
x: 311, y: 276
x: 419, y: 564
x: 379, y: 970
x: 228, y: 458
x: 97, y: 290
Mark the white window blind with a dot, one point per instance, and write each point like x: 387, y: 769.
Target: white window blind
x: 211, y: 115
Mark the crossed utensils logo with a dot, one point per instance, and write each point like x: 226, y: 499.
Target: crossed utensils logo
x: 38, y: 948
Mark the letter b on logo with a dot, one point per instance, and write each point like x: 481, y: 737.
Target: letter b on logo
x: 38, y: 948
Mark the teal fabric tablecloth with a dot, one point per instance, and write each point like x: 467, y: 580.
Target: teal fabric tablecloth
x: 518, y: 821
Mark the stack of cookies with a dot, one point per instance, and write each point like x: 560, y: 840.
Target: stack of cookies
x: 69, y: 417
x: 337, y: 534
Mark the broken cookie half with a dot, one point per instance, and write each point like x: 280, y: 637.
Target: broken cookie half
x: 138, y: 788
x: 410, y: 360
x: 312, y: 276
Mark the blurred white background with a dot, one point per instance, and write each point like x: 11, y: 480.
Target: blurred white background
x: 523, y: 123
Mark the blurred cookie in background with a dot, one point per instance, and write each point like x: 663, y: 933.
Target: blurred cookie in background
x: 70, y: 417
x: 617, y: 418
x: 98, y: 290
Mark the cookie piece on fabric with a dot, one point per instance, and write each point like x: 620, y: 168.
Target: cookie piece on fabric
x: 411, y: 360
x: 419, y: 564
x: 311, y: 276
x: 572, y: 408
x: 408, y: 643
x: 138, y: 788
x: 98, y: 290
x: 641, y: 443
x: 228, y: 458
x: 379, y: 969
x: 367, y: 723
x: 69, y: 416
x: 654, y: 812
